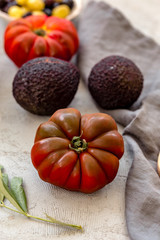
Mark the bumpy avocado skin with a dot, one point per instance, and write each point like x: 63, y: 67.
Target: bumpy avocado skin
x: 46, y: 84
x: 115, y: 82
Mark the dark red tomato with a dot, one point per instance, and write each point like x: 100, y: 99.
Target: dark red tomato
x: 78, y: 153
x: 37, y: 36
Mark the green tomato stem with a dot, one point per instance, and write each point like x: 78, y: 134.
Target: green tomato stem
x: 13, y: 210
x: 50, y: 220
x: 78, y: 145
x: 40, y: 32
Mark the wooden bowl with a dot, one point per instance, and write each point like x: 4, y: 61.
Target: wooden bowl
x: 74, y: 13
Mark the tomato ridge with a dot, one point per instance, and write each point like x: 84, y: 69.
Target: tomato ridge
x: 117, y: 134
x: 107, y: 178
x: 50, y: 154
x: 71, y: 173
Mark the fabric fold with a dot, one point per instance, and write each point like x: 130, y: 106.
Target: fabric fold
x: 110, y: 33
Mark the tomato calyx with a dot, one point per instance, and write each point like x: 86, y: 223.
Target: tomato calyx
x: 40, y: 32
x: 78, y: 145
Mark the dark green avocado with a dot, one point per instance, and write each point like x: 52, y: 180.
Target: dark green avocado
x: 46, y: 84
x: 115, y: 82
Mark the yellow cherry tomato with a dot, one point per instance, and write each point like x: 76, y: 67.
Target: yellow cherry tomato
x: 35, y: 5
x: 61, y: 11
x: 21, y: 2
x: 36, y: 13
x: 15, y: 12
x: 24, y: 10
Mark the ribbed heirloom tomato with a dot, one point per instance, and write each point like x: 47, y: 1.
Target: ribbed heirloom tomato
x: 78, y: 153
x: 37, y: 36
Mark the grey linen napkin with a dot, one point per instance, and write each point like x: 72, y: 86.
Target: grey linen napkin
x: 105, y: 31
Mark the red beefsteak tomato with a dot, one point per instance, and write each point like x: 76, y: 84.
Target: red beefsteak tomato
x: 37, y: 36
x: 78, y: 153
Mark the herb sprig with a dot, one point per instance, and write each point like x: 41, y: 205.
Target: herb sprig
x: 14, y: 192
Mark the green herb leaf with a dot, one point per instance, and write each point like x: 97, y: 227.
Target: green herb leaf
x: 5, y: 180
x: 18, y: 192
x: 1, y: 197
x: 16, y: 195
x: 1, y: 194
x: 6, y: 192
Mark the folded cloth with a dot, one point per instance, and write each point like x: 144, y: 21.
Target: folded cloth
x: 104, y: 31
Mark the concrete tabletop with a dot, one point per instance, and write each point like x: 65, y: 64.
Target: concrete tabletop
x: 102, y: 214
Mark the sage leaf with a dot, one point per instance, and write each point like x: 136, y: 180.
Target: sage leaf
x: 5, y: 180
x: 1, y: 197
x: 1, y: 194
x: 16, y: 195
x: 18, y: 192
x: 6, y: 192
